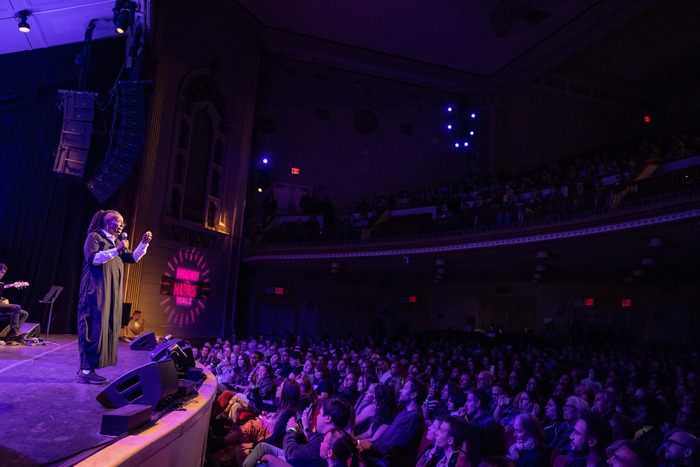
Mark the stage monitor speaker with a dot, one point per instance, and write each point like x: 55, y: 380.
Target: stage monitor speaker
x: 125, y: 419
x: 147, y: 384
x: 146, y: 341
x: 180, y: 351
x: 76, y: 132
x: 31, y: 329
x: 162, y: 350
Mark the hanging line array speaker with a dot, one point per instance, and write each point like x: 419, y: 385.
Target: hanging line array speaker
x: 126, y: 141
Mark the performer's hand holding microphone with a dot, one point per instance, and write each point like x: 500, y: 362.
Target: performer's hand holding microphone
x: 124, y: 244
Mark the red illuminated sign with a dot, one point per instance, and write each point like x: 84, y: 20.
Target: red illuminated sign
x: 295, y: 170
x: 588, y: 302
x: 626, y: 302
x: 411, y: 299
x: 647, y: 119
x: 279, y: 291
x: 185, y: 287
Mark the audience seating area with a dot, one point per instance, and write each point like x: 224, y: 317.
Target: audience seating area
x: 536, y: 390
x: 606, y: 183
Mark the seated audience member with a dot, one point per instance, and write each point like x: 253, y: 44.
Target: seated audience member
x: 295, y: 363
x: 632, y: 454
x: 589, y: 440
x: 484, y: 380
x: 506, y: 411
x: 436, y: 404
x: 341, y: 368
x: 239, y: 381
x: 529, y: 449
x: 650, y: 418
x: 573, y: 409
x: 384, y: 413
x: 681, y: 449
x: 404, y: 433
x: 203, y: 355
x: 363, y: 418
x: 465, y: 382
x: 349, y: 388
x: 241, y: 403
x: 136, y: 326
x: 322, y: 377
x: 622, y: 426
x: 383, y: 369
x: 449, y: 438
x: 432, y: 454
x: 298, y: 451
x: 477, y: 402
x: 688, y: 418
x: 363, y: 384
x: 225, y: 372
x: 455, y: 405
x: 604, y: 403
x: 269, y: 428
x: 284, y: 368
x: 338, y: 449
x: 274, y: 359
x: 553, y: 417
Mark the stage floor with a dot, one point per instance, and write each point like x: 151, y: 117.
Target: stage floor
x: 45, y: 416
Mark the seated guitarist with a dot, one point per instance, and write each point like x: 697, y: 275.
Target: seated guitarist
x: 18, y: 315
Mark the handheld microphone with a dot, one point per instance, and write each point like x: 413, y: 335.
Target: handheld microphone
x: 124, y: 235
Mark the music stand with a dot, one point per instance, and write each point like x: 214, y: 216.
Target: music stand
x: 51, y: 297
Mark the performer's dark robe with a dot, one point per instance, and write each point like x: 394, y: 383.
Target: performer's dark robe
x: 100, y: 304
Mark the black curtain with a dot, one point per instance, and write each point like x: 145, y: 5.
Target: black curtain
x: 44, y: 216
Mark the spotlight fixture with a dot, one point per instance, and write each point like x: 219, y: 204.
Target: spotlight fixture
x: 21, y: 17
x: 123, y: 15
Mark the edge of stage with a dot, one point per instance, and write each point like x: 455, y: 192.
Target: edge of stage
x: 49, y: 419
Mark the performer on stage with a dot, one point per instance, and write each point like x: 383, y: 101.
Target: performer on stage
x: 101, y: 293
x: 18, y: 315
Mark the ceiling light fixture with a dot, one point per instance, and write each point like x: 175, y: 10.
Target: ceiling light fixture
x: 21, y: 18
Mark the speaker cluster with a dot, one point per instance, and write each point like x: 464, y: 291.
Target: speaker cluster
x: 171, y: 375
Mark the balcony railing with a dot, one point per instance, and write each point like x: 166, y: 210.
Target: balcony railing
x: 664, y: 193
